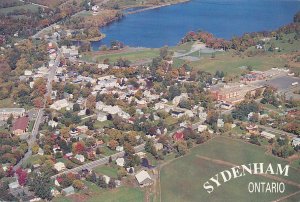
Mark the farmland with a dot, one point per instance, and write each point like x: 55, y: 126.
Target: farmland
x: 206, y: 160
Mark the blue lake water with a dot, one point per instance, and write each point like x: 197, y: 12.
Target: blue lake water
x: 224, y: 18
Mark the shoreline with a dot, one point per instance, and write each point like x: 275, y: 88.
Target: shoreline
x: 153, y: 7
x: 133, y: 12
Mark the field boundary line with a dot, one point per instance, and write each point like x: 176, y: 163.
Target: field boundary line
x: 287, y: 196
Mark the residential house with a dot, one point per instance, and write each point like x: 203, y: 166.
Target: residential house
x: 79, y: 157
x: 68, y: 191
x: 41, y: 152
x: 60, y: 104
x: 267, y: 135
x: 176, y: 100
x: 106, y: 179
x: 14, y: 185
x: 5, y: 113
x: 20, y: 126
x: 120, y: 162
x: 202, y: 128
x: 178, y: 136
x: 59, y: 166
x: 158, y: 146
x: 52, y: 124
x: 103, y: 66
x: 296, y: 142
x: 220, y: 123
x: 119, y: 148
x: 101, y: 116
x: 143, y: 178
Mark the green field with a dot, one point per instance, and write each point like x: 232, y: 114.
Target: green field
x: 183, y: 179
x: 96, y: 194
x: 30, y: 7
x: 106, y: 170
x: 232, y: 64
x: 135, y: 56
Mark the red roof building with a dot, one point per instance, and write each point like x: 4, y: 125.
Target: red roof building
x: 20, y: 126
x: 178, y: 136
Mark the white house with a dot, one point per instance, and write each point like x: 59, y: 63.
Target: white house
x: 119, y: 148
x: 120, y: 162
x: 267, y: 135
x: 52, y: 123
x: 103, y: 66
x: 79, y: 157
x: 60, y: 104
x: 177, y: 99
x: 202, y: 128
x: 106, y: 179
x: 296, y: 142
x: 101, y: 116
x: 143, y: 178
x: 158, y: 146
x: 220, y: 123
x: 59, y: 166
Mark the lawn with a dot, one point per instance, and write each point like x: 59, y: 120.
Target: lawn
x: 106, y: 170
x: 7, y: 102
x: 232, y: 64
x: 99, y: 124
x: 134, y: 56
x: 183, y: 178
x: 95, y: 194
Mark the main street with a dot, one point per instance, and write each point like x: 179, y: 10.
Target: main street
x: 99, y: 162
x: 38, y: 121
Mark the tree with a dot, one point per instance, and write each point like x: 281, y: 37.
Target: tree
x: 22, y: 177
x: 112, y: 183
x: 78, y: 184
x: 163, y: 52
x: 149, y: 147
x: 10, y: 119
x: 41, y: 186
x: 128, y: 148
x: 101, y: 182
x: 76, y: 107
x: 35, y: 148
x: 181, y: 148
x: 112, y: 144
x: 78, y: 147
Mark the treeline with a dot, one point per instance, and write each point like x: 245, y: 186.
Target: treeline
x: 245, y: 41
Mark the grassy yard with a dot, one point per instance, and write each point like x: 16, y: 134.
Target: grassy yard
x: 7, y: 102
x: 106, y: 170
x: 183, y: 179
x: 99, y: 124
x: 95, y: 194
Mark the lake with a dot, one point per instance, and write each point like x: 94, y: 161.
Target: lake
x: 224, y: 18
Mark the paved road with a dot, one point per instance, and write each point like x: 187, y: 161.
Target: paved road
x: 32, y: 138
x: 99, y: 162
x: 277, y: 131
x: 35, y: 129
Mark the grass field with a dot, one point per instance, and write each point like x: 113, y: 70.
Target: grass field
x: 30, y: 7
x: 106, y: 170
x: 232, y: 64
x: 95, y: 194
x: 135, y: 56
x: 183, y: 179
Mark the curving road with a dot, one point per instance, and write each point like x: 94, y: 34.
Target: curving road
x: 99, y: 162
